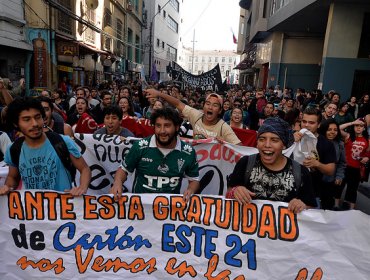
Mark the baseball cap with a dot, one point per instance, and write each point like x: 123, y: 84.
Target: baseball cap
x: 219, y: 98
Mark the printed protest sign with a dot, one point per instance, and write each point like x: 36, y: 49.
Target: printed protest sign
x: 49, y: 235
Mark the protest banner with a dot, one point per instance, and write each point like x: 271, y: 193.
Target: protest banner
x: 49, y: 235
x: 104, y: 154
x: 210, y: 80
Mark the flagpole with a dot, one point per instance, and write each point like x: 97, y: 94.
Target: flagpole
x: 192, y: 58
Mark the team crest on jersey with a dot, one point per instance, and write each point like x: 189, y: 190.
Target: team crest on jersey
x: 188, y: 149
x: 163, y: 168
x: 180, y: 163
x: 143, y: 143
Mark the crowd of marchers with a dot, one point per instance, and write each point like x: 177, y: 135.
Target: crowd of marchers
x: 37, y: 140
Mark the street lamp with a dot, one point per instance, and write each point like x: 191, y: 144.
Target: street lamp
x: 151, y: 37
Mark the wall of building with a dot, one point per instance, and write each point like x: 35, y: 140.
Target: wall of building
x: 342, y: 40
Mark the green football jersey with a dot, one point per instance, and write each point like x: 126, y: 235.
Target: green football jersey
x: 159, y: 173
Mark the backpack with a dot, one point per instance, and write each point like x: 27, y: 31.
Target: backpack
x: 59, y: 146
x: 295, y: 166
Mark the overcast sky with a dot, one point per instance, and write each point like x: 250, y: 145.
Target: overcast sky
x: 212, y: 21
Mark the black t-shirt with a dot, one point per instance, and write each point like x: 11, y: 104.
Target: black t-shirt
x: 273, y: 185
x: 326, y: 153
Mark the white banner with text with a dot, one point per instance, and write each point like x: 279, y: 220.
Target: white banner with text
x: 49, y: 235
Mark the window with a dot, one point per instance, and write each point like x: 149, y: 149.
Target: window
x: 162, y: 45
x: 172, y: 24
x: 189, y: 58
x: 130, y: 38
x: 196, y: 59
x: 65, y: 22
x: 119, y: 33
x: 216, y: 59
x: 222, y: 59
x: 107, y: 43
x: 89, y: 33
x: 137, y: 49
x: 230, y: 59
x: 209, y: 59
x: 159, y: 9
x: 222, y: 68
x: 175, y: 4
x: 107, y: 18
x: 203, y: 59
x: 171, y: 53
x: 158, y: 42
x: 164, y: 13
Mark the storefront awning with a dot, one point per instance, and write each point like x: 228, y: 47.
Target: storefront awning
x: 16, y: 44
x: 244, y: 64
x: 91, y: 48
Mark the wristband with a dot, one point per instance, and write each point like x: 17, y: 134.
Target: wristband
x: 230, y: 194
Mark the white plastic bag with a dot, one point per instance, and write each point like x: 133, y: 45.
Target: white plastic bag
x: 306, y: 148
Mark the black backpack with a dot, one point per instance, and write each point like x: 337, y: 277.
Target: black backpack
x: 296, y: 168
x: 59, y: 146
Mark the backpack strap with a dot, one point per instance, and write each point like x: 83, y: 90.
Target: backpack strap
x: 59, y: 146
x: 15, y: 150
x: 297, y: 174
x: 250, y: 165
x: 62, y: 151
x: 296, y: 168
x: 221, y: 127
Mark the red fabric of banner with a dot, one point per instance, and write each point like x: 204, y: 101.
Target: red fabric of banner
x: 247, y: 136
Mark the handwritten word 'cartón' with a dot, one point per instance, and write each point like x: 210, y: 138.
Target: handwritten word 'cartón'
x: 111, y: 241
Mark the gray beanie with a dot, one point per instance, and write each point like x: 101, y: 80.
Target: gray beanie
x: 279, y: 127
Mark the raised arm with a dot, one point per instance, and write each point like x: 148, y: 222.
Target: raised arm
x: 342, y: 128
x: 153, y: 93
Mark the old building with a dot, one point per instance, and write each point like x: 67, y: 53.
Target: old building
x: 161, y: 38
x: 204, y: 60
x: 309, y: 44
x: 14, y: 47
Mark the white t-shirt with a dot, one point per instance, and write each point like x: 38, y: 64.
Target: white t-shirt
x: 221, y: 129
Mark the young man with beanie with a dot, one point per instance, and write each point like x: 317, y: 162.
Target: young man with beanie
x: 272, y: 175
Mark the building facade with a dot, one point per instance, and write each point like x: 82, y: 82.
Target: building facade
x: 79, y: 42
x: 14, y: 47
x: 204, y: 60
x: 310, y: 44
x: 161, y: 37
